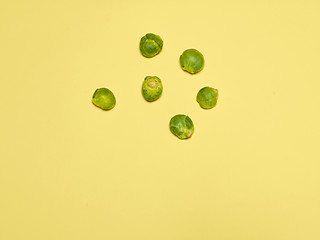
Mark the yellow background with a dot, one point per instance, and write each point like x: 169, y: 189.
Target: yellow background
x: 69, y: 170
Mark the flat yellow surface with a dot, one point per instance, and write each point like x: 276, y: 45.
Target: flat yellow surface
x: 70, y: 171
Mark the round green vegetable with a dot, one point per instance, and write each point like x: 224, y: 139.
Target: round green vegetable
x: 207, y: 97
x: 104, y: 99
x: 150, y: 45
x: 151, y: 88
x: 181, y: 126
x: 191, y: 61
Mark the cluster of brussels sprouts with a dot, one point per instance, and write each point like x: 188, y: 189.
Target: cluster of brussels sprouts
x: 191, y: 61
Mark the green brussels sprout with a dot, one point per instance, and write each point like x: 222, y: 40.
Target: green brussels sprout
x: 104, y: 99
x: 151, y: 88
x: 181, y: 126
x: 150, y: 45
x: 191, y: 61
x: 207, y: 97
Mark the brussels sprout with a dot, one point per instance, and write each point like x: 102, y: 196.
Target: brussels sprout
x: 191, y: 61
x: 150, y: 45
x: 181, y: 126
x: 104, y: 99
x: 151, y: 88
x: 207, y: 97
